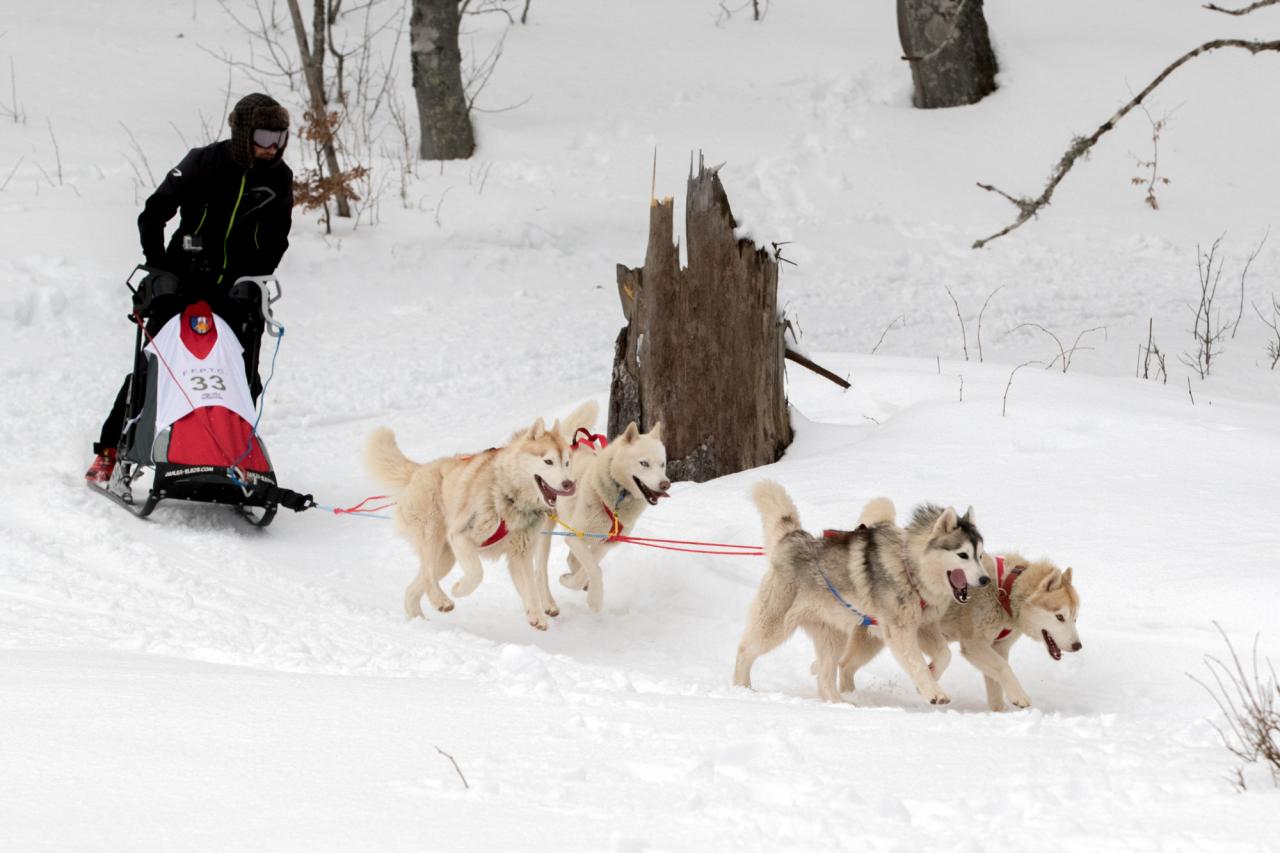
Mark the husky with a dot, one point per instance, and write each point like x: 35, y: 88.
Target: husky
x: 901, y: 578
x: 491, y: 504
x: 1032, y: 598
x: 615, y: 484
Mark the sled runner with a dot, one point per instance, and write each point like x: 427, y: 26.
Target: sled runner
x: 190, y: 423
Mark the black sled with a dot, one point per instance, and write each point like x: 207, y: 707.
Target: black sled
x: 189, y: 431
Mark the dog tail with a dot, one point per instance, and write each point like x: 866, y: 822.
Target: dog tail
x: 877, y: 511
x: 583, y: 417
x: 777, y: 512
x: 384, y: 460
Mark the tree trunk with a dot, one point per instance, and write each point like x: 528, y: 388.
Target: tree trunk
x: 946, y: 42
x: 703, y: 347
x: 313, y: 73
x: 444, y: 119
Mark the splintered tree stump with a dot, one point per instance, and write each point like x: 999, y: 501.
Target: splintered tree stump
x: 703, y: 348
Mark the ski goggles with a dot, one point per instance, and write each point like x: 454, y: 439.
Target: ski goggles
x: 268, y: 138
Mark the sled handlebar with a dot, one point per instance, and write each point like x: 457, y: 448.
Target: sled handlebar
x: 264, y: 283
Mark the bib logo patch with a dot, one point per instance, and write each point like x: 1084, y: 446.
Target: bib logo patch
x: 200, y: 324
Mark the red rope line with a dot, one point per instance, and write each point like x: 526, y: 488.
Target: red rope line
x: 360, y: 507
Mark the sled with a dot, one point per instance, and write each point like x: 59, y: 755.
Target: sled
x: 190, y: 425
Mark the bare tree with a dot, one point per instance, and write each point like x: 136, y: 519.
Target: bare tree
x: 1272, y: 323
x: 1064, y: 353
x: 1249, y: 699
x: 949, y: 48
x: 444, y: 118
x: 1208, y: 329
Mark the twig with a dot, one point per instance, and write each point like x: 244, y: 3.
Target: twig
x: 141, y: 154
x: 980, y: 313
x: 1189, y: 394
x: 886, y: 331
x: 1004, y: 405
x: 817, y: 368
x: 57, y: 155
x: 455, y: 766
x: 9, y: 177
x: 1080, y: 145
x: 964, y: 338
x: 1244, y: 273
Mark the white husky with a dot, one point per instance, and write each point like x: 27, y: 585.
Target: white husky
x: 614, y: 485
x: 492, y: 503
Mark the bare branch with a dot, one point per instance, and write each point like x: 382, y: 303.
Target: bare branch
x: 9, y: 177
x: 886, y: 331
x: 817, y: 368
x: 980, y: 313
x: 1244, y: 273
x: 1246, y: 10
x: 1080, y: 145
x: 1004, y: 405
x: 454, y: 762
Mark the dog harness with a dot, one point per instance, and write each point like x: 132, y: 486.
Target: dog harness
x: 615, y: 526
x: 497, y: 535
x: 1004, y: 591
x: 589, y: 438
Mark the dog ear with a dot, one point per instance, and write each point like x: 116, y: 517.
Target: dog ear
x: 1052, y: 581
x: 968, y: 516
x: 656, y: 432
x: 631, y: 433
x: 1066, y: 577
x: 536, y: 430
x: 946, y: 522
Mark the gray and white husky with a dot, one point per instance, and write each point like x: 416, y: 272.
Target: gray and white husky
x: 903, y: 578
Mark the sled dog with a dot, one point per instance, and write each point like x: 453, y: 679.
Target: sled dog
x: 490, y: 504
x: 615, y: 484
x: 902, y: 578
x: 1032, y: 598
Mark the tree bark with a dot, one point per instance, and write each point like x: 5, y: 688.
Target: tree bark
x: 313, y: 73
x: 444, y: 119
x: 703, y: 348
x: 947, y: 44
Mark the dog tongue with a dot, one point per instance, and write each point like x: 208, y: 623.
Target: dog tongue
x: 956, y: 576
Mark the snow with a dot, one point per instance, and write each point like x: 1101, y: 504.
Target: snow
x: 188, y: 683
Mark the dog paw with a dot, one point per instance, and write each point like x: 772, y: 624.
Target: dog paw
x: 443, y: 606
x: 573, y: 581
x: 1020, y: 700
x: 939, y: 698
x: 552, y: 611
x: 595, y: 599
x: 538, y: 622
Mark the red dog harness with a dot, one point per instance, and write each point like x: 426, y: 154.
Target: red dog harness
x: 1004, y: 590
x: 497, y: 535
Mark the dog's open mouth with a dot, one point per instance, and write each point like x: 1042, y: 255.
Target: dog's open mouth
x: 959, y: 585
x: 549, y: 492
x: 649, y: 494
x: 1054, y: 651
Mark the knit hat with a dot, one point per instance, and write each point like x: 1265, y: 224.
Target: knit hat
x: 255, y: 112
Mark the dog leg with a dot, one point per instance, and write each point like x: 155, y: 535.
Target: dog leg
x: 468, y: 557
x: 905, y: 645
x: 541, y: 555
x: 434, y: 561
x: 936, y: 647
x: 575, y: 578
x: 860, y: 647
x: 827, y: 645
x: 993, y: 664
x: 522, y: 576
x: 591, y: 569
x: 767, y: 626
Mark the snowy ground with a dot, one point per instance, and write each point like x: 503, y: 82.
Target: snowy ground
x: 188, y: 683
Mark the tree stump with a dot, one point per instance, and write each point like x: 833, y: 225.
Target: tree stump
x: 949, y: 48
x: 703, y: 348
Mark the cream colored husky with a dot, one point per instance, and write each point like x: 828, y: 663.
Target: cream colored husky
x: 615, y: 485
x: 489, y: 504
x: 1034, y: 598
x: 902, y: 578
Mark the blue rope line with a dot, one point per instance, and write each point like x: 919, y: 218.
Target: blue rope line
x: 566, y: 533
x: 866, y: 620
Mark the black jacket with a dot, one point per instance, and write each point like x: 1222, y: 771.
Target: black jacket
x: 240, y: 217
